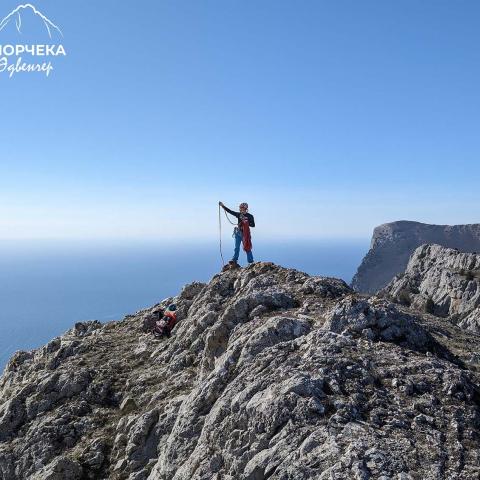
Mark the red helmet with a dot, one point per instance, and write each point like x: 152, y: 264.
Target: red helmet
x: 244, y: 205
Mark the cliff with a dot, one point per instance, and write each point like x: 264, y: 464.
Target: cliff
x: 393, y: 243
x: 269, y: 373
x: 442, y: 281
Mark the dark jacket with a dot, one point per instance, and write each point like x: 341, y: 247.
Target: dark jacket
x: 240, y: 216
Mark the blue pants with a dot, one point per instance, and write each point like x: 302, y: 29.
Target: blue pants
x: 237, y: 234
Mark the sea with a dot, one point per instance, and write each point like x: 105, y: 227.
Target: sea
x: 46, y: 287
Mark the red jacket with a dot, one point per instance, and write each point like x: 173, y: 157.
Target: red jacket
x: 172, y: 319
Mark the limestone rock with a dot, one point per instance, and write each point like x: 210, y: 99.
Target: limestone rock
x: 378, y: 320
x: 441, y: 281
x: 393, y: 243
x: 269, y: 373
x: 60, y: 469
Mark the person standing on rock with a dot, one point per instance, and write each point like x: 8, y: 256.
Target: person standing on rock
x: 241, y: 234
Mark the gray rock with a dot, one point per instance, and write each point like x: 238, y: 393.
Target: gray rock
x: 377, y: 320
x: 128, y: 405
x: 94, y: 455
x: 269, y: 373
x: 60, y: 469
x: 441, y: 281
x: 190, y: 291
x: 85, y: 328
x: 393, y: 243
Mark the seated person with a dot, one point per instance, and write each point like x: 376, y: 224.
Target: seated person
x: 167, y: 323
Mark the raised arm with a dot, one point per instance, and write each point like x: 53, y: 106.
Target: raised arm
x: 231, y: 212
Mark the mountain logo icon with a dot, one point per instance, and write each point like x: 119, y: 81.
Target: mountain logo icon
x: 16, y: 16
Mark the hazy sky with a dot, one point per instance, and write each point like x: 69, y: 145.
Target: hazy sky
x: 328, y: 117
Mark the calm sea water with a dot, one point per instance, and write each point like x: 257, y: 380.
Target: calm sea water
x: 46, y: 288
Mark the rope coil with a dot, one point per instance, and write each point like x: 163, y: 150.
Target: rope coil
x: 220, y: 231
x: 220, y: 228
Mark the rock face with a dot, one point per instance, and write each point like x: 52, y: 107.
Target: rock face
x: 393, y: 244
x: 443, y: 282
x: 269, y: 374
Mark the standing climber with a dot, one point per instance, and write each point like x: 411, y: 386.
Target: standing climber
x: 241, y: 233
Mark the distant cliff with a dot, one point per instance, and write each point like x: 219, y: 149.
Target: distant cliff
x: 393, y: 244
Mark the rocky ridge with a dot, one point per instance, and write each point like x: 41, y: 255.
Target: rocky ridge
x: 442, y: 281
x: 393, y: 243
x: 269, y: 374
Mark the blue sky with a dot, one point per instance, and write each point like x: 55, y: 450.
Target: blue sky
x: 327, y: 117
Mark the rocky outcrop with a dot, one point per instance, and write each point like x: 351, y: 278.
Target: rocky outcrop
x: 441, y: 281
x: 269, y: 374
x: 393, y: 243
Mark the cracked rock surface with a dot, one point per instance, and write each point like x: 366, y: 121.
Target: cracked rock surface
x: 393, y: 243
x: 269, y: 374
x: 441, y: 281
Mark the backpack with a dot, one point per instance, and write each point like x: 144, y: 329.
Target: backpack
x: 161, y: 328
x: 150, y: 321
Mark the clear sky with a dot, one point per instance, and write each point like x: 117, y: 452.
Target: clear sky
x: 328, y: 117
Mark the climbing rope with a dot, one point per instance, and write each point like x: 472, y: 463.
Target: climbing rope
x: 220, y: 228
x: 231, y: 223
x: 220, y: 231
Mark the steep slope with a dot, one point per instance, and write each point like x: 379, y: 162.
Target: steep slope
x: 270, y: 373
x: 442, y: 281
x: 393, y: 244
